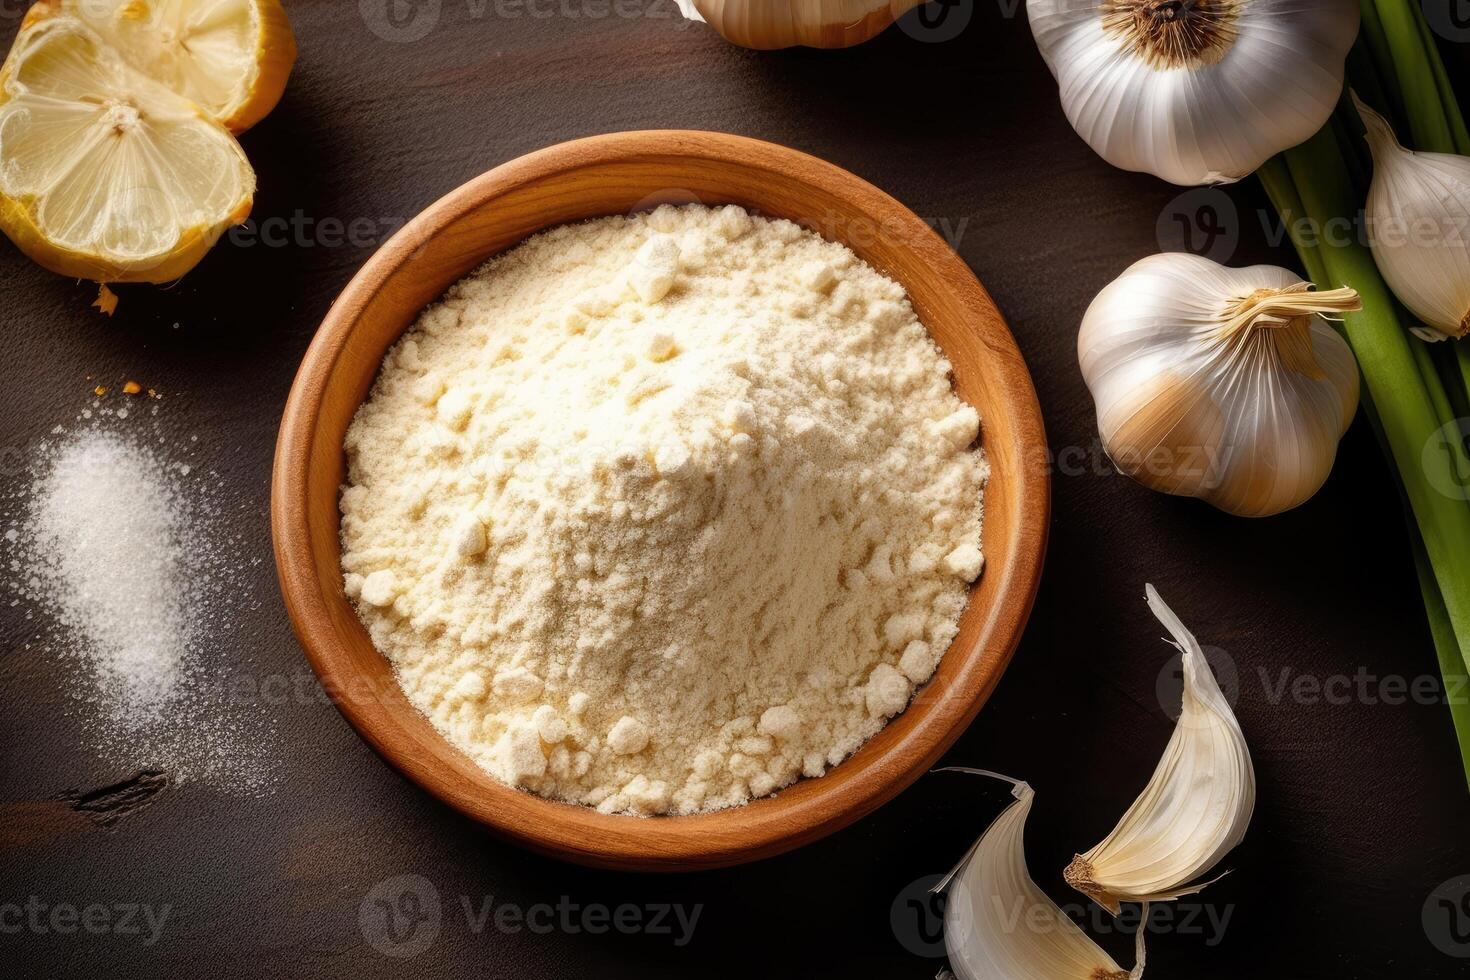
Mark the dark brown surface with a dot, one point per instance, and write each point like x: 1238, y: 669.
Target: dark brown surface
x: 1362, y: 808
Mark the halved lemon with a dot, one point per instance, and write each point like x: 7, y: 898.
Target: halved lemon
x: 106, y: 174
x: 232, y: 57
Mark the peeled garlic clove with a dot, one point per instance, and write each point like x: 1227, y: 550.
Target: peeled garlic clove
x: 999, y: 926
x: 1200, y: 92
x: 1195, y: 808
x: 1217, y: 383
x: 768, y: 24
x: 1419, y: 210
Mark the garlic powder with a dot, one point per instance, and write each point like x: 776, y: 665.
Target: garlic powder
x: 658, y: 513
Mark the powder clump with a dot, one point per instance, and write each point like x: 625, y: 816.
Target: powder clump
x: 699, y: 516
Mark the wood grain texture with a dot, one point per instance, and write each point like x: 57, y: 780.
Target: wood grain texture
x: 616, y: 174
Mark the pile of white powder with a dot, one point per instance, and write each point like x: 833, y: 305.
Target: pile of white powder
x: 116, y: 545
x: 658, y: 513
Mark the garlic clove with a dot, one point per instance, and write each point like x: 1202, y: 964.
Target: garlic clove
x: 1195, y: 808
x: 1419, y: 211
x: 770, y: 24
x: 1217, y: 383
x: 1195, y: 93
x: 998, y: 925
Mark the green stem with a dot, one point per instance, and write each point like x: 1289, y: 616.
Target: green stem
x: 1393, y: 380
x: 1462, y: 361
x: 1433, y: 384
x: 1421, y: 95
x: 1371, y: 33
x: 1452, y: 654
x: 1280, y: 188
x: 1445, y: 358
x: 1451, y: 663
x: 1363, y: 78
x: 1349, y: 130
x: 1459, y: 135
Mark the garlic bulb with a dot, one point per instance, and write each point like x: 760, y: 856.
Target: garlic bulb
x: 1419, y: 211
x: 1217, y: 383
x: 767, y: 24
x: 1195, y: 808
x: 1195, y: 91
x: 999, y: 926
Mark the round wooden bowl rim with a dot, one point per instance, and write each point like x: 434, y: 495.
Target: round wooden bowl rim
x: 763, y: 827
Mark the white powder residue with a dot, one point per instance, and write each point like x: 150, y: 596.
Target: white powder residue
x: 659, y: 513
x: 108, y: 533
x: 117, y: 549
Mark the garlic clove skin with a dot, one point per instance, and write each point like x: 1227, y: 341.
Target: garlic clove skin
x: 770, y: 24
x: 998, y: 925
x: 1195, y: 93
x: 1419, y: 211
x: 1195, y: 398
x: 1195, y: 808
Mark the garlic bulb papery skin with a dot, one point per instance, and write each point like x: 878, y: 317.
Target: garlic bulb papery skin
x: 999, y: 926
x: 1419, y: 212
x: 1195, y: 91
x: 1218, y: 383
x: 770, y: 24
x: 1195, y: 808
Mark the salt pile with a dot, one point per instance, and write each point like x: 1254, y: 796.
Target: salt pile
x: 108, y: 532
x: 118, y: 546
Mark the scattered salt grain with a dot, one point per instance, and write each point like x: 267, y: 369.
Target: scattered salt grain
x: 123, y: 554
x: 109, y: 540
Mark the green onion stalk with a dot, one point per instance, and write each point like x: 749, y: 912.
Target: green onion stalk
x: 1415, y: 394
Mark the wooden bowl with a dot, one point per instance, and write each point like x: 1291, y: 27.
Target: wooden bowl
x: 617, y: 174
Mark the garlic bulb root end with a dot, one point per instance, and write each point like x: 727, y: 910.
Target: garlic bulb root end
x: 1171, y: 33
x: 1078, y: 875
x: 1191, y: 90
